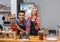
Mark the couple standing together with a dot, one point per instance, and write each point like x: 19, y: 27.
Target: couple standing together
x: 30, y: 26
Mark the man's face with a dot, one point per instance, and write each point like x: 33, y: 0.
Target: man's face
x: 21, y: 16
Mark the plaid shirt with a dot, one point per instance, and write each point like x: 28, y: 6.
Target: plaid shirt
x: 37, y: 20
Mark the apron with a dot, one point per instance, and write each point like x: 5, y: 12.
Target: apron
x: 21, y: 26
x: 33, y: 31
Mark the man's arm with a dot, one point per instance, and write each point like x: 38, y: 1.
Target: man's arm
x: 19, y: 28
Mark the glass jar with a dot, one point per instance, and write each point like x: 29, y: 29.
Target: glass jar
x: 41, y: 35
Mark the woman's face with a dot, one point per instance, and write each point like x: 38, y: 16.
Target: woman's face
x: 34, y: 12
x: 21, y: 16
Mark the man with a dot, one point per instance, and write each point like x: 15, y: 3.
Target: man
x: 23, y: 26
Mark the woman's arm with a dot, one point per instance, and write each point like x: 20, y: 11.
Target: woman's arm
x: 37, y: 25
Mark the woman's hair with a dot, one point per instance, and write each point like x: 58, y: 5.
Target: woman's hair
x: 36, y: 11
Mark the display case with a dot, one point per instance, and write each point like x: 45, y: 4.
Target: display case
x: 7, y: 33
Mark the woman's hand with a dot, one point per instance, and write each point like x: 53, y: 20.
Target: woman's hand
x: 37, y: 26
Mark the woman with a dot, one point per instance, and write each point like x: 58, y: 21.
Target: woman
x: 35, y: 21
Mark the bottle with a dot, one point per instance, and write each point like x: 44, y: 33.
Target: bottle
x: 40, y: 34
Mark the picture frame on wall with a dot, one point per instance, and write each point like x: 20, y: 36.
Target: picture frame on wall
x: 27, y: 7
x: 22, y: 6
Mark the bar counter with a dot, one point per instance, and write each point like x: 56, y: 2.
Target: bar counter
x: 31, y: 39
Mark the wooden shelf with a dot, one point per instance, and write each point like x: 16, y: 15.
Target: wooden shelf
x: 32, y: 39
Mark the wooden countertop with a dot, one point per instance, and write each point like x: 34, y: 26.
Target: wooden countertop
x: 32, y: 39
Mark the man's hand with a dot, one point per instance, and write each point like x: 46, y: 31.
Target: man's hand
x: 20, y: 28
x: 23, y: 32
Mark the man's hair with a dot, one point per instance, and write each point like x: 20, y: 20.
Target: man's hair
x: 22, y: 12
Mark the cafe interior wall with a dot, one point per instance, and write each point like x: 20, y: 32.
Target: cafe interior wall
x: 6, y: 3
x: 49, y: 12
